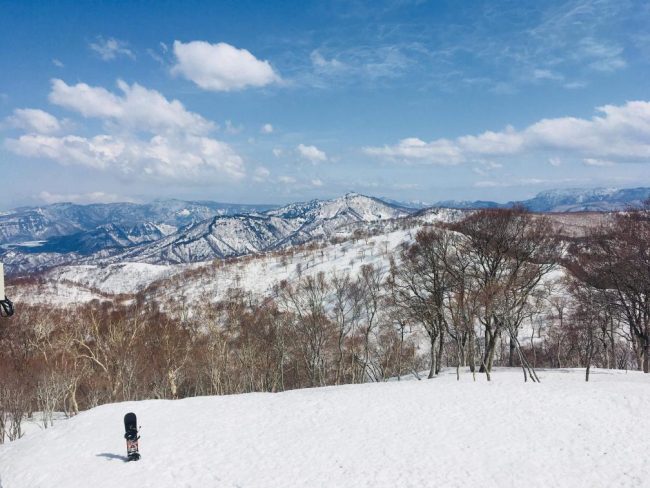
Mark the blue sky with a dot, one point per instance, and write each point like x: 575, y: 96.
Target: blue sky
x: 270, y: 102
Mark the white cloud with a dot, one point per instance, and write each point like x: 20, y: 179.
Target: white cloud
x: 413, y: 150
x: 34, y: 120
x: 555, y: 161
x: 97, y: 152
x: 367, y: 62
x: 278, y: 152
x: 232, y: 128
x: 145, y: 136
x: 266, y: 129
x: 92, y: 197
x: 327, y: 65
x: 545, y: 74
x: 616, y: 133
x: 493, y: 143
x: 221, y: 67
x: 317, y: 182
x: 575, y: 85
x: 487, y: 184
x: 525, y: 182
x: 136, y: 108
x: 261, y: 174
x: 287, y: 180
x: 174, y: 157
x: 87, y: 100
x: 597, y: 162
x: 486, y: 167
x: 156, y: 57
x: 606, y: 57
x: 406, y: 186
x: 109, y: 49
x: 57, y: 63
x: 311, y: 153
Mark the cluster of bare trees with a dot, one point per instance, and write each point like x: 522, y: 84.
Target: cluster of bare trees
x: 611, y: 286
x: 480, y: 293
x: 480, y: 276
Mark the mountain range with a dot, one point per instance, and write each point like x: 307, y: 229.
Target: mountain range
x: 62, y: 219
x: 226, y: 234
x: 176, y: 231
x: 567, y: 200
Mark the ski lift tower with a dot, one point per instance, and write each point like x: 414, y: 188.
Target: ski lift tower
x: 6, y: 306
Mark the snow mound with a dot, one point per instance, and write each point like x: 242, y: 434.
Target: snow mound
x: 562, y: 433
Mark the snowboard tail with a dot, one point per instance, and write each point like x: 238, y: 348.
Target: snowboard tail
x: 131, y: 436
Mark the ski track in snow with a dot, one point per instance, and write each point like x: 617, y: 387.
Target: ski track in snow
x: 561, y: 433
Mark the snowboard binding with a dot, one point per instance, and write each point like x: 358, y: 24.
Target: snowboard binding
x: 6, y: 308
x: 131, y: 436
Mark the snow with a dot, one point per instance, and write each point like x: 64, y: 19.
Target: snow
x: 562, y: 433
x: 257, y: 274
x: 115, y: 278
x: 31, y: 243
x: 36, y: 422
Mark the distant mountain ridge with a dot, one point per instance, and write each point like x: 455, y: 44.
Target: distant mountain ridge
x: 218, y: 236
x: 236, y: 235
x: 62, y: 219
x: 176, y: 231
x: 567, y: 200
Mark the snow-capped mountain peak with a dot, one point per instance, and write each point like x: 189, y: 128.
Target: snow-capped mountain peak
x: 235, y: 235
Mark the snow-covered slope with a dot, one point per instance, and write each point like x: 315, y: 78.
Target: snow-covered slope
x: 61, y: 219
x: 257, y: 274
x: 432, y: 433
x: 223, y: 235
x: 227, y: 236
x: 102, y: 238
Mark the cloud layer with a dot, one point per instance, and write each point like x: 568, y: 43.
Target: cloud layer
x: 180, y: 157
x: 34, y: 120
x: 145, y: 135
x: 311, y: 153
x: 617, y: 133
x: 136, y: 108
x: 221, y: 67
x: 91, y: 197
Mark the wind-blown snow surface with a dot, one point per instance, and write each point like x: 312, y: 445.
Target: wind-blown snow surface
x: 561, y: 433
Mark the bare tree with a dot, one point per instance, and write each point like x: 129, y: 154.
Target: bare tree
x: 511, y: 252
x: 307, y: 300
x: 345, y: 310
x: 370, y: 296
x: 589, y: 319
x: 420, y: 283
x: 616, y: 259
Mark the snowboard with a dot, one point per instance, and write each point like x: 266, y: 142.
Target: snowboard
x: 131, y: 436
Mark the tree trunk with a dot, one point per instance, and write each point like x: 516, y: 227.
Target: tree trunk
x: 511, y: 357
x: 490, y: 348
x: 432, y: 370
x: 471, y: 352
x: 441, y: 344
